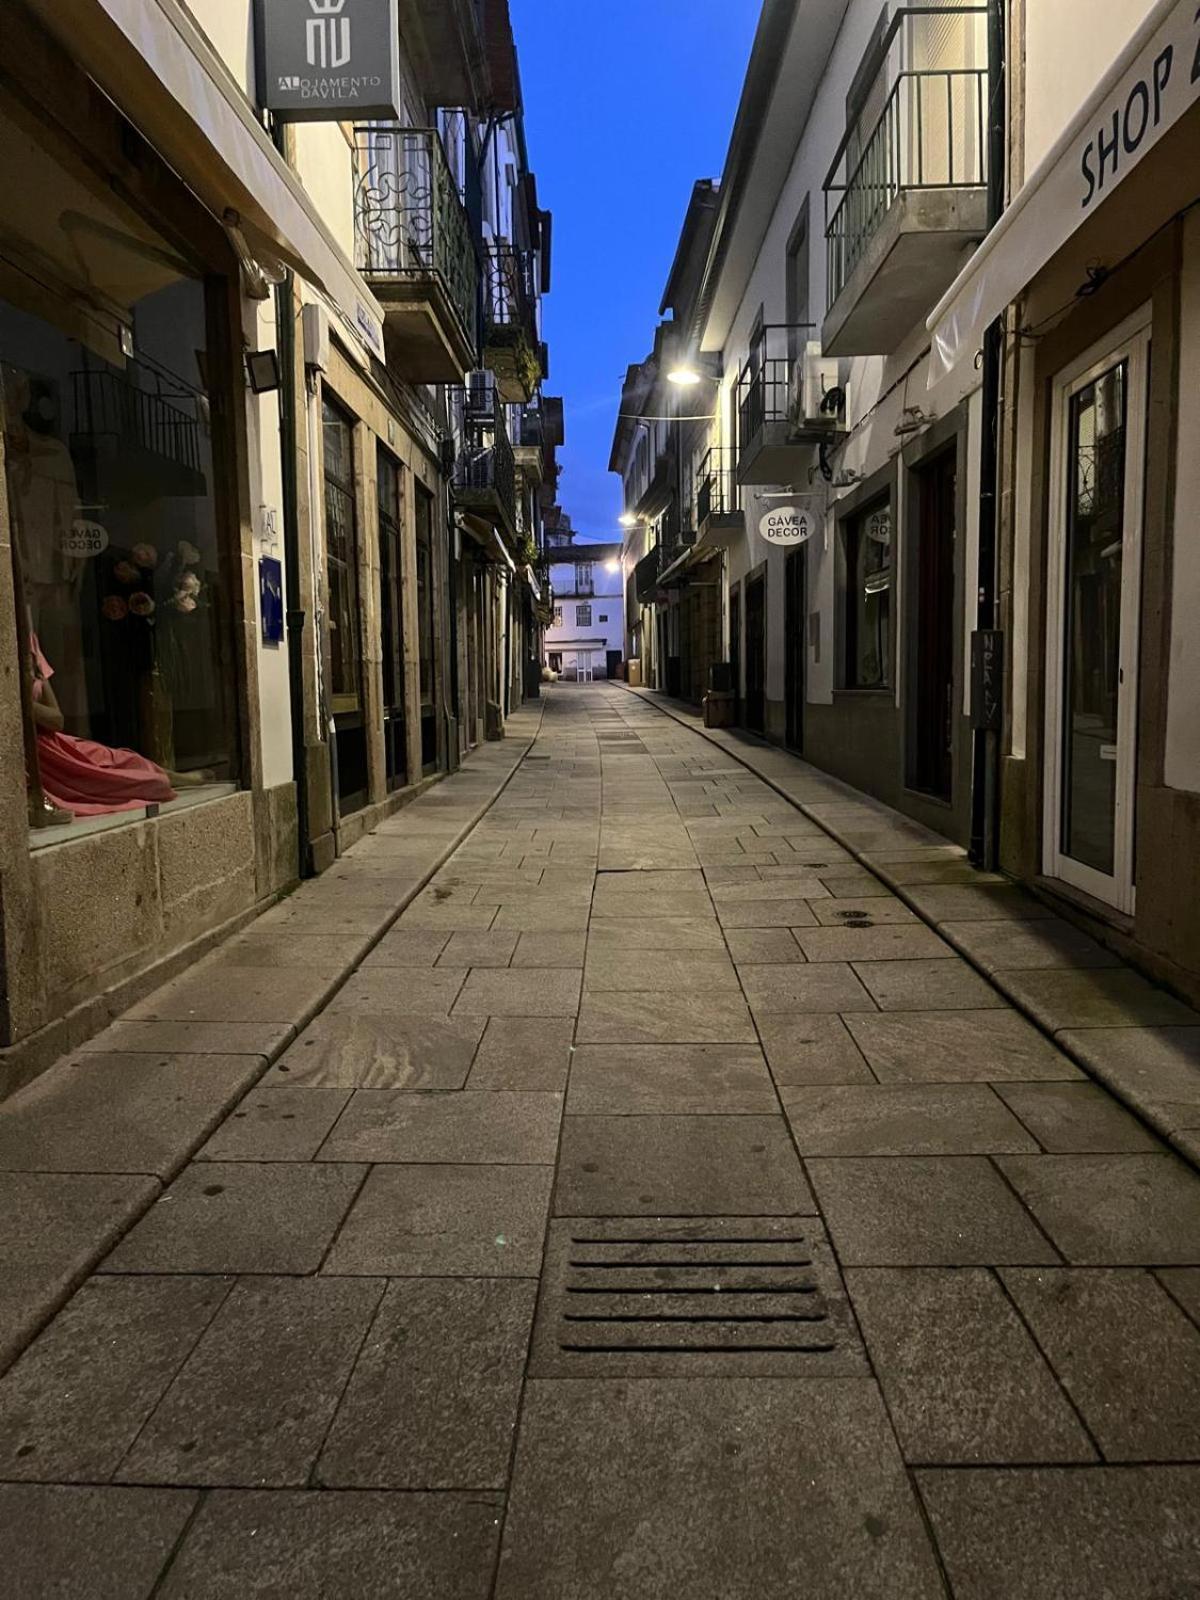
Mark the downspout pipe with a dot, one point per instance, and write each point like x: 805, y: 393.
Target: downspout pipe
x: 985, y: 788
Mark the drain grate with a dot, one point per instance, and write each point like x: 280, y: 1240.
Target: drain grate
x: 623, y: 1296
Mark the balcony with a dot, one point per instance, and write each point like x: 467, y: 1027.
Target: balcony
x: 906, y: 196
x: 538, y: 433
x: 511, y: 348
x: 484, y: 481
x: 777, y: 437
x: 645, y: 577
x: 413, y: 245
x: 719, y: 518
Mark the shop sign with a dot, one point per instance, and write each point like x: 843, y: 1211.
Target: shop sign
x: 790, y: 524
x: 83, y: 540
x: 325, y: 60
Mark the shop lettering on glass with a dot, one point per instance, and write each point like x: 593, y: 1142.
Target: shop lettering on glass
x: 1163, y: 87
x: 319, y: 59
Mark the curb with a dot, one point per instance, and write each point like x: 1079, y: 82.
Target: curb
x: 1184, y: 1142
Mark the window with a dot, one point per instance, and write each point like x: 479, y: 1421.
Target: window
x: 583, y: 616
x: 558, y: 616
x: 340, y: 540
x: 583, y: 577
x: 865, y: 598
x: 111, y: 494
x: 391, y: 568
x: 426, y: 645
x: 603, y: 617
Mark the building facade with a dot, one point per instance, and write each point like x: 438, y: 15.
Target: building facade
x: 941, y: 357
x: 585, y: 638
x: 275, y: 457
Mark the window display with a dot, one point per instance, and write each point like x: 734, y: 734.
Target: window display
x: 108, y: 466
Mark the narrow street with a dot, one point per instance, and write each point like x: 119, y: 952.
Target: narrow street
x: 852, y: 1285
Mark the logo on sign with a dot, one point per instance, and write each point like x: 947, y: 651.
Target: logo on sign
x: 327, y: 36
x: 787, y: 525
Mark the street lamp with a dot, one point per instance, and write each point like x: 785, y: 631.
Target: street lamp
x: 684, y: 375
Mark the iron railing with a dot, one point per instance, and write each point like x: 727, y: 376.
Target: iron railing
x: 510, y: 299
x: 107, y: 404
x: 716, y: 489
x: 409, y: 220
x: 930, y: 134
x: 645, y: 576
x: 484, y: 463
x: 764, y: 386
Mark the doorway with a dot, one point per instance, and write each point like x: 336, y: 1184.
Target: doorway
x: 735, y: 649
x: 1097, y: 491
x: 756, y: 654
x: 931, y: 725
x: 345, y: 646
x: 794, y: 573
x: 391, y: 583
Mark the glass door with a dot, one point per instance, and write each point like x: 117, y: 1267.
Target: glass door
x: 1098, y: 457
x: 391, y: 585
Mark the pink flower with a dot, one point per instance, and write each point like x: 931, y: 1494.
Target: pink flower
x: 114, y: 608
x: 126, y: 572
x: 141, y: 604
x: 145, y: 555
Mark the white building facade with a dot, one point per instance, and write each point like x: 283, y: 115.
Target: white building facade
x: 585, y: 640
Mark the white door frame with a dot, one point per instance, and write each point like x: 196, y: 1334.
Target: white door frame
x: 1130, y: 342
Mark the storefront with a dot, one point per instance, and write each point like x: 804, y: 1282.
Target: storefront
x: 1101, y: 777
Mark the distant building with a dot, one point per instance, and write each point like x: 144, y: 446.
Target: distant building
x: 585, y: 639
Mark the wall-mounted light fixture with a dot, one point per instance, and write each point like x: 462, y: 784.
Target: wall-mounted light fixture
x: 262, y: 371
x: 628, y: 520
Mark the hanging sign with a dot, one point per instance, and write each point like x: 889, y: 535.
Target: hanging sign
x: 790, y: 522
x: 326, y: 60
x: 83, y: 539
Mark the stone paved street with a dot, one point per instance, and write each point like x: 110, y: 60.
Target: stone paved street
x: 664, y: 1205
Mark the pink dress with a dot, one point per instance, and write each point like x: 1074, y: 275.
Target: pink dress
x: 91, y: 779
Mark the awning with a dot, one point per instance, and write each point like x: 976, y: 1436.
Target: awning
x: 1149, y: 87
x: 157, y: 66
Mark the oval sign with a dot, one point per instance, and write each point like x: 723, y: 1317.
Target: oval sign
x: 787, y: 525
x: 84, y: 539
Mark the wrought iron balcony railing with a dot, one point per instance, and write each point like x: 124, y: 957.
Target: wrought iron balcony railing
x: 510, y: 300
x: 484, y: 466
x: 716, y: 488
x: 409, y: 220
x: 930, y: 134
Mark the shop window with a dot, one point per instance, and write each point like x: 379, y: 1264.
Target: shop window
x: 865, y: 598
x: 345, y: 650
x: 583, y: 616
x: 426, y: 635
x: 120, y: 587
x: 390, y: 495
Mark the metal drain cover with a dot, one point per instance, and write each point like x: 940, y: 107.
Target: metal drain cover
x: 680, y: 1296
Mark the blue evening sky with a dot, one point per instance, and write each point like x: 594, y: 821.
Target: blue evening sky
x: 627, y: 103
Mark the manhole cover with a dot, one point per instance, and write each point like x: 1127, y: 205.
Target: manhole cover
x: 623, y: 1296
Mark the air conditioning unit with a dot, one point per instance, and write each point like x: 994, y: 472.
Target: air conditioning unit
x: 314, y: 321
x: 818, y: 404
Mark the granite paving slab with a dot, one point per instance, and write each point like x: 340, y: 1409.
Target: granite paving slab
x: 191, y: 1038
x: 1027, y: 946
x: 408, y: 948
x: 550, y: 950
x: 1158, y: 1069
x: 957, y: 1047
x: 1067, y: 1534
x: 985, y: 902
x: 927, y: 985
x: 494, y: 948
x: 888, y: 942
x: 876, y: 911
x: 656, y: 933
x: 1125, y: 1353
x: 276, y: 1123
x: 664, y: 1016
x: 1084, y: 999
x: 963, y: 1380
x: 446, y: 1221
x: 763, y: 946
x: 925, y: 1211
x: 1183, y: 1283
x: 381, y: 1050
x: 74, y: 1402
x: 556, y: 916
x: 278, y: 948
x: 789, y: 913
x: 76, y: 1543
x: 679, y: 1079
x: 624, y: 970
x: 828, y: 986
x: 315, y: 1545
x: 852, y: 883
x: 492, y: 1127
x: 241, y: 1217
x: 902, y: 1120
x: 252, y: 1403
x: 679, y: 1166
x: 715, y: 1489
x: 53, y: 1227
x: 1076, y: 1119
x: 380, y: 992
x: 530, y: 992
x: 117, y: 1113
x: 1106, y: 1210
x: 433, y: 1400
x: 811, y: 1047
x: 524, y: 1053
x: 220, y: 991
x: 765, y: 890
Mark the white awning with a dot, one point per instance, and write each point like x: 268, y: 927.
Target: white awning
x: 157, y: 66
x: 1149, y: 87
